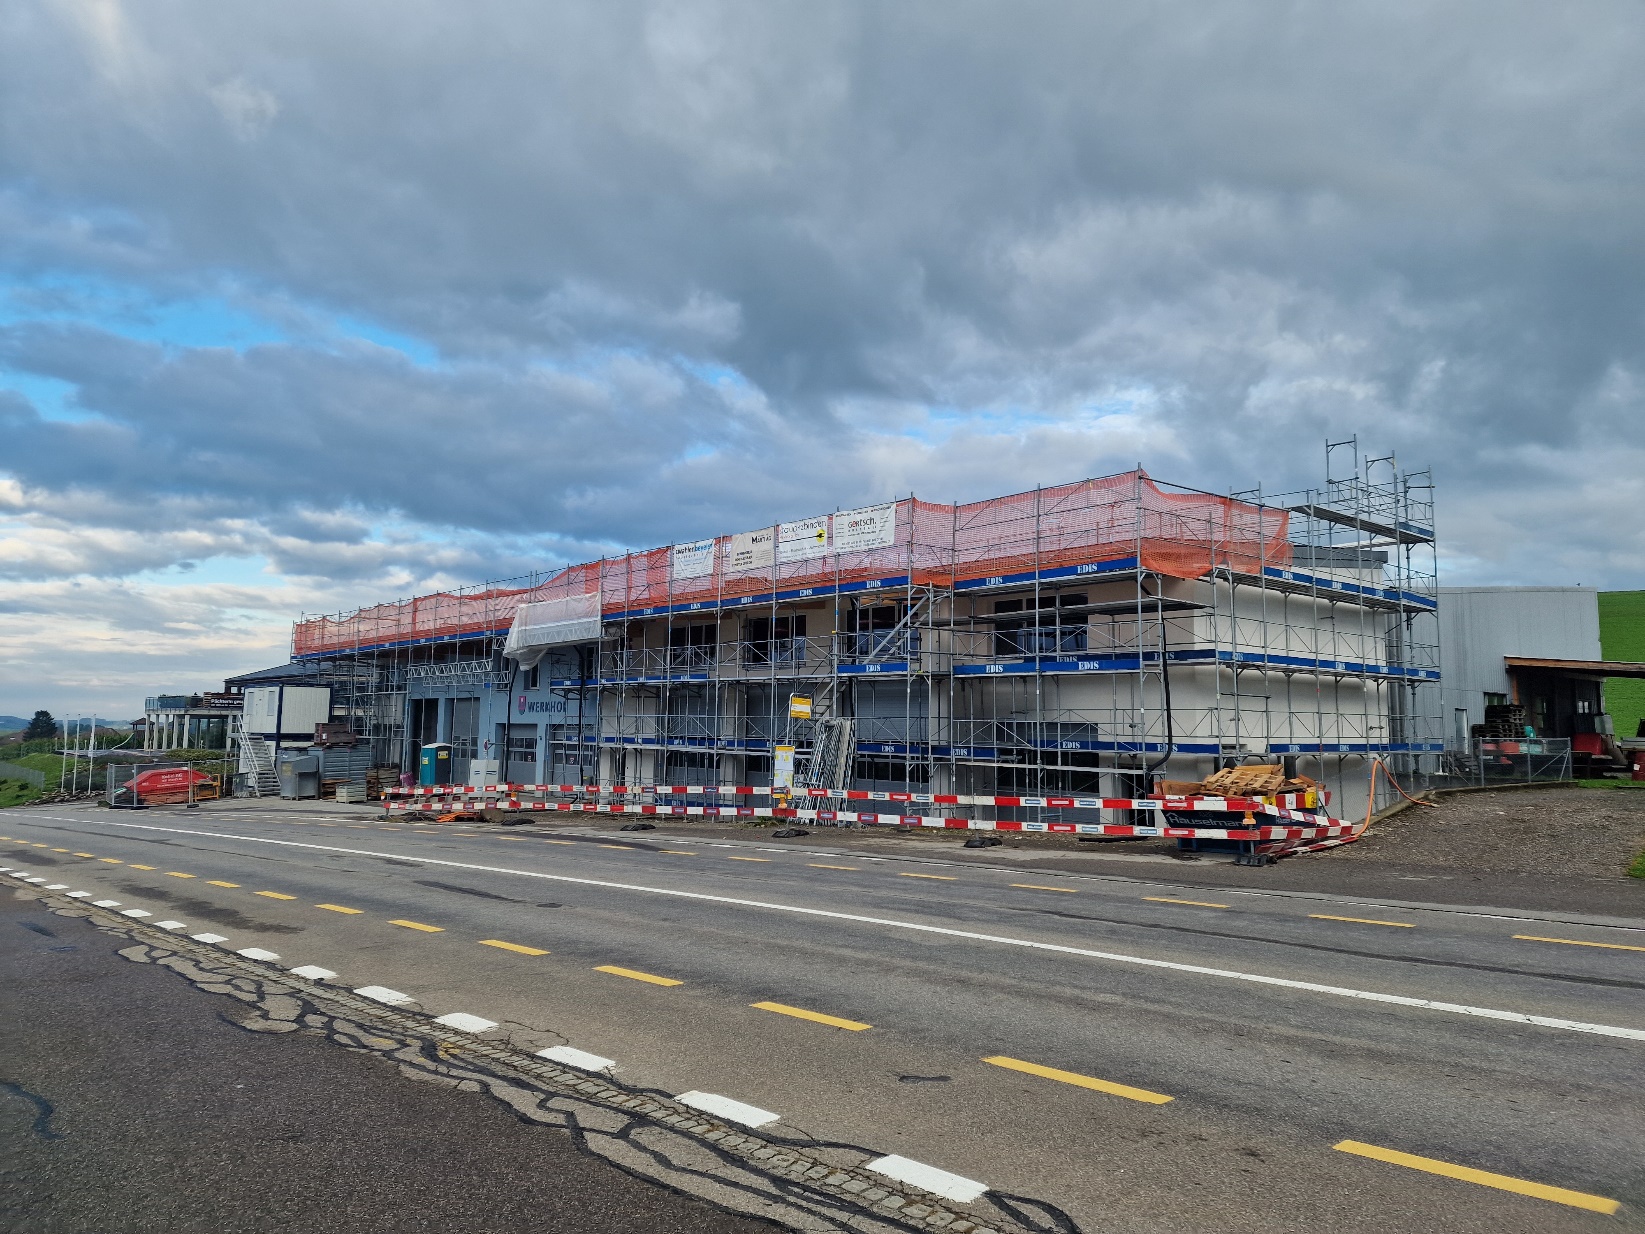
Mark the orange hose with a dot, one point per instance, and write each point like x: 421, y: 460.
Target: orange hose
x: 1370, y: 805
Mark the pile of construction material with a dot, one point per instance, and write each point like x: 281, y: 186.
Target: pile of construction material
x: 1263, y: 780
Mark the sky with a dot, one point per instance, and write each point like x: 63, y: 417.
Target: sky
x: 306, y: 306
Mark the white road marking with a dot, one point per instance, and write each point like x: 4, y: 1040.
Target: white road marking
x: 105, y: 903
x: 313, y: 972
x: 56, y: 886
x: 135, y: 912
x: 171, y: 925
x: 466, y: 1023
x: 724, y: 1107
x: 573, y: 1057
x: 1118, y: 957
x: 382, y: 994
x: 929, y: 1178
x: 209, y: 938
x: 80, y: 895
x: 34, y: 880
x: 257, y: 953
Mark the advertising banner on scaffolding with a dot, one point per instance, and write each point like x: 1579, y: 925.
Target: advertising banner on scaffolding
x: 865, y: 528
x: 750, y: 550
x: 694, y: 560
x: 803, y: 540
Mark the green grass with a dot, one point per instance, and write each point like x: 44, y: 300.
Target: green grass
x: 1637, y: 870
x: 1622, y: 637
x: 16, y: 793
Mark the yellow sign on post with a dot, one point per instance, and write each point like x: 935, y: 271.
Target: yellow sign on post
x: 782, y: 767
x: 799, y: 706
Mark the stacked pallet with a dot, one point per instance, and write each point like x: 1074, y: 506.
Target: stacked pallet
x: 1260, y: 780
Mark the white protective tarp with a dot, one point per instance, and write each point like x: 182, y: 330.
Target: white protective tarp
x: 552, y: 623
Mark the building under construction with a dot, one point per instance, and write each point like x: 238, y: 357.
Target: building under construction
x: 1094, y: 638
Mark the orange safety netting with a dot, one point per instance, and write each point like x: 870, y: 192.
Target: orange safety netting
x: 1112, y: 518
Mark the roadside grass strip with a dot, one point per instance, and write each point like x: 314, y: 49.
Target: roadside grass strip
x: 919, y: 927
x: 1467, y: 1174
x: 726, y: 1108
x: 635, y: 975
x: 417, y: 925
x: 1080, y: 1081
x: 1578, y: 942
x: 570, y: 1056
x: 1404, y: 925
x: 816, y: 1017
x: 1191, y: 903
x: 516, y: 947
x: 928, y: 1178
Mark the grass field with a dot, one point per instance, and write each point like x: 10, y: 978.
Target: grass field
x: 1622, y: 637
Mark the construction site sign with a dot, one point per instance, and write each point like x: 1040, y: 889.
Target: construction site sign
x: 750, y: 550
x: 782, y: 767
x: 799, y: 706
x: 694, y: 560
x: 868, y: 527
x: 803, y: 540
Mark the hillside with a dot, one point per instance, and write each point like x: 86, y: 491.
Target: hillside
x: 1622, y: 637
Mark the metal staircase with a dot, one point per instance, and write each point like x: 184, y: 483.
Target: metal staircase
x: 256, y: 760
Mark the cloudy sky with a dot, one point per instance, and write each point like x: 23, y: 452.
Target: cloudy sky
x: 306, y: 305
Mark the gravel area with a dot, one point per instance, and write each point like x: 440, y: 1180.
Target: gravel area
x: 1572, y: 832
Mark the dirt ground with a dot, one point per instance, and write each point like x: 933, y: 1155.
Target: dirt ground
x: 1571, y: 832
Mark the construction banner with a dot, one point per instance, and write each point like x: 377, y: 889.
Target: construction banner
x: 750, y: 550
x: 868, y: 527
x: 695, y: 560
x: 803, y: 540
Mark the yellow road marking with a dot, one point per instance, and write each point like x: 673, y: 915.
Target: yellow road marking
x: 637, y: 976
x: 1195, y: 903
x: 800, y: 1013
x: 177, y: 874
x: 1037, y: 887
x: 138, y: 867
x: 627, y: 848
x: 64, y: 850
x: 678, y: 852
x: 113, y: 861
x: 1502, y: 1182
x: 1362, y: 920
x: 559, y: 841
x: 748, y: 859
x: 217, y: 882
x: 274, y: 895
x: 417, y: 925
x: 947, y: 878
x: 85, y: 854
x: 497, y: 942
x: 1577, y: 942
x: 817, y: 865
x: 1081, y: 1081
x: 338, y: 908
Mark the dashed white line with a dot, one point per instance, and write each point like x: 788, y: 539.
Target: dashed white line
x: 80, y: 895
x: 1399, y: 1000
x: 929, y: 1178
x: 573, y: 1057
x: 466, y: 1023
x: 135, y: 912
x: 726, y: 1108
x: 209, y: 938
x: 313, y: 972
x: 382, y: 994
x: 171, y: 925
x: 257, y: 953
x: 105, y: 903
x: 56, y: 886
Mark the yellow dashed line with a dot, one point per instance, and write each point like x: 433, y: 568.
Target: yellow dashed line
x: 217, y: 882
x: 1080, y: 1081
x: 748, y: 859
x: 677, y: 852
x: 177, y: 874
x: 338, y: 908
x: 64, y: 850
x: 138, y: 867
x: 85, y: 854
x: 1038, y: 887
x: 1577, y: 942
x: 1363, y: 920
x: 637, y: 976
x: 417, y: 925
x: 559, y: 841
x: 1193, y: 903
x: 497, y: 942
x: 800, y: 1013
x: 947, y: 878
x: 1502, y: 1182
x: 274, y: 895
x: 817, y: 865
x: 113, y: 861
x: 627, y: 848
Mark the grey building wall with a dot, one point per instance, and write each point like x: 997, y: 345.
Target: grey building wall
x: 1478, y: 626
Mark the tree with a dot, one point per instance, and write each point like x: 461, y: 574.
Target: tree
x: 41, y: 727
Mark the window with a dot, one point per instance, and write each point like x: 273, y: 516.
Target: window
x: 1495, y: 700
x: 868, y: 633
x: 774, y: 640
x: 465, y: 728
x: 1043, y: 632
x: 532, y: 676
x: 692, y: 646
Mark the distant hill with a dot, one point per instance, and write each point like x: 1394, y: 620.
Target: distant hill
x: 12, y: 724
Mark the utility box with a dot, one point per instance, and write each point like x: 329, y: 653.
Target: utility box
x: 434, y: 767
x: 299, y: 776
x: 483, y: 771
x: 273, y: 712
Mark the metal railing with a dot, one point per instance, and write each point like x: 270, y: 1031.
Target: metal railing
x: 13, y: 771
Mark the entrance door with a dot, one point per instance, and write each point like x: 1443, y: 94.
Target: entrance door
x: 521, y: 754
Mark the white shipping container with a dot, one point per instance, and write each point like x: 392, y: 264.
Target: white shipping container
x: 286, y: 711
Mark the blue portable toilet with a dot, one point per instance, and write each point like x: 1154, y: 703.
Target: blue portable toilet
x: 435, y: 765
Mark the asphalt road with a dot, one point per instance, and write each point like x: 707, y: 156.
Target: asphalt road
x: 1146, y: 1057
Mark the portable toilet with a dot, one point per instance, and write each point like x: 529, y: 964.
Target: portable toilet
x: 435, y: 765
